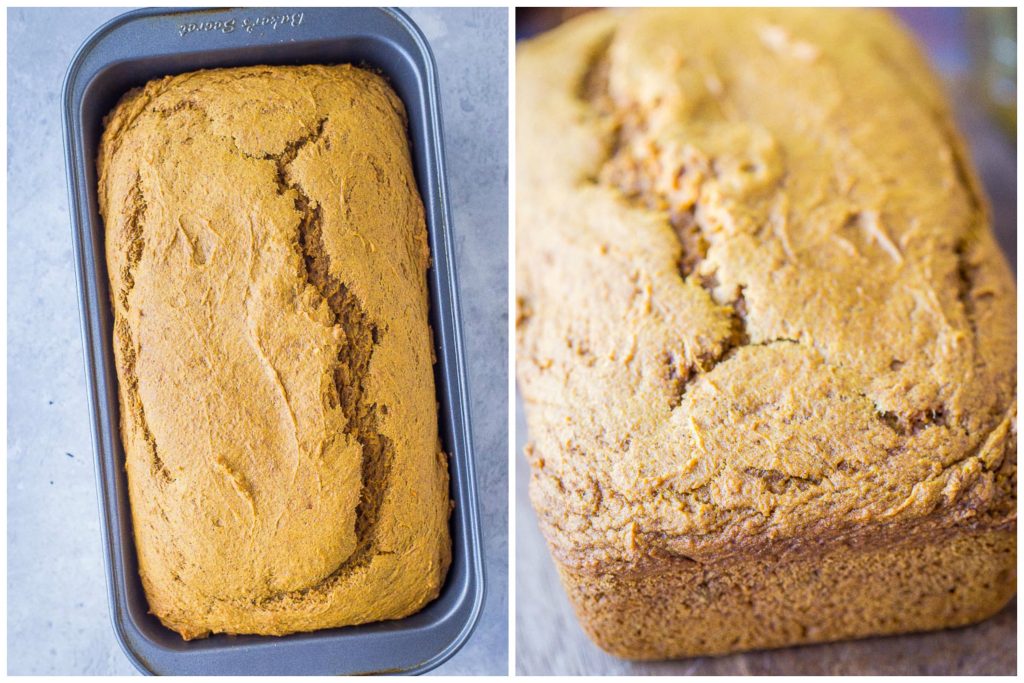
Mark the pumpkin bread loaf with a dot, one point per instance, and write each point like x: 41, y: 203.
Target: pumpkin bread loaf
x: 267, y: 255
x: 766, y: 341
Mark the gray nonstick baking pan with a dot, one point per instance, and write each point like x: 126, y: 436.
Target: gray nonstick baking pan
x: 146, y: 44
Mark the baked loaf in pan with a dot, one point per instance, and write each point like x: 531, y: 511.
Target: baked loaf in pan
x: 267, y: 255
x: 766, y: 342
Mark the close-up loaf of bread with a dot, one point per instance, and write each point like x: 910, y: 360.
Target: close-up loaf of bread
x: 267, y: 256
x: 766, y: 342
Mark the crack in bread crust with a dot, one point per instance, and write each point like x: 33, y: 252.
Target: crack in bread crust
x: 134, y: 246
x: 618, y: 170
x: 355, y: 353
x: 635, y: 180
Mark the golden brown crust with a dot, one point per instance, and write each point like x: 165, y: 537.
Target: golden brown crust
x: 759, y: 300
x: 692, y: 609
x: 267, y: 254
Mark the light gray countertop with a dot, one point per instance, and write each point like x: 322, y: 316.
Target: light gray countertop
x: 57, y: 604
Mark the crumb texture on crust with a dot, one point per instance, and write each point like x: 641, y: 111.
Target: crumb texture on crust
x: 758, y: 298
x: 267, y: 254
x: 766, y: 602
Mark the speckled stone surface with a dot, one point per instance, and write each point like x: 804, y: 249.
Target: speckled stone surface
x: 57, y: 608
x: 549, y: 639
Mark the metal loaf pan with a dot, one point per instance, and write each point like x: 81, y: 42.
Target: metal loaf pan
x: 146, y: 44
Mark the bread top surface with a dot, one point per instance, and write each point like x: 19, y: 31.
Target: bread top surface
x: 267, y: 255
x: 759, y: 303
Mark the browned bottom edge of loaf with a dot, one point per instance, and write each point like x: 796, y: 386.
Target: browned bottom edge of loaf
x: 689, y: 610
